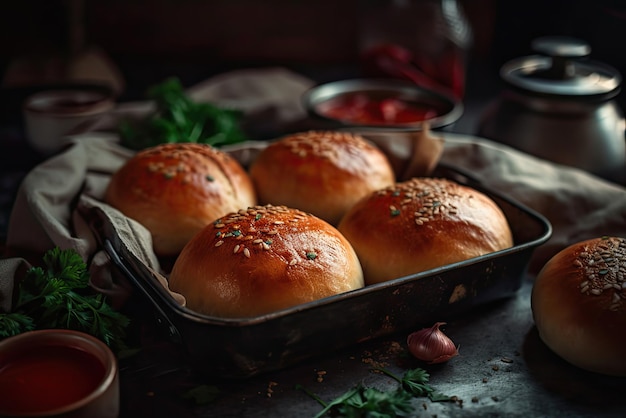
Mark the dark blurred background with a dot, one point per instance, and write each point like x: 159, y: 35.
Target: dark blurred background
x: 135, y: 44
x: 147, y: 40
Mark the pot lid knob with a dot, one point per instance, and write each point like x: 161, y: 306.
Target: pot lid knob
x: 560, y: 70
x: 562, y: 50
x: 561, y: 46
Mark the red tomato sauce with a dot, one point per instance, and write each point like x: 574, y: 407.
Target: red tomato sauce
x: 363, y: 109
x: 40, y: 380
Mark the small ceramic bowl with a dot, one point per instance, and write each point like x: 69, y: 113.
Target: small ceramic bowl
x: 380, y: 105
x: 51, y: 115
x: 58, y: 373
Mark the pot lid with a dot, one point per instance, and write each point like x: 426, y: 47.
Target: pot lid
x: 561, y: 68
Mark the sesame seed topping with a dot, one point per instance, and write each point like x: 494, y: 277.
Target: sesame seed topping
x: 232, y: 227
x: 428, y: 198
x: 603, y: 268
x: 323, y: 144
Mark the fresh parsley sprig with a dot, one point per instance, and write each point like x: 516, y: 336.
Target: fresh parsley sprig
x: 415, y: 382
x: 58, y: 295
x: 202, y: 394
x: 177, y: 118
x: 14, y: 323
x: 362, y: 401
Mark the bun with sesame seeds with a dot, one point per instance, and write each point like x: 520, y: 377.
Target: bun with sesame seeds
x: 261, y: 260
x: 322, y: 172
x: 578, y: 303
x: 421, y: 224
x: 174, y: 190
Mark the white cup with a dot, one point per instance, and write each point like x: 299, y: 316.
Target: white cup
x: 52, y: 115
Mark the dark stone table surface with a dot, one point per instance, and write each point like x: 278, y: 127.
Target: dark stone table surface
x: 503, y: 370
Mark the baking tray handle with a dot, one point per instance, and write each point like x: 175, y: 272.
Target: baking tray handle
x: 140, y: 284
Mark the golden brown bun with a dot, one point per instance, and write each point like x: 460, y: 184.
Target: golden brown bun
x: 421, y: 224
x: 264, y: 259
x: 174, y: 190
x: 579, y: 305
x: 322, y: 172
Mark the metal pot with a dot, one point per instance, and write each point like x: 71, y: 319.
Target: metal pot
x: 558, y: 105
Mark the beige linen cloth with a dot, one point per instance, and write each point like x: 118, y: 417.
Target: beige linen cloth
x: 53, y: 200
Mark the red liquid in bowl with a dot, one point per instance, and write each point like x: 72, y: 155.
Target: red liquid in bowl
x: 362, y: 109
x: 47, y: 378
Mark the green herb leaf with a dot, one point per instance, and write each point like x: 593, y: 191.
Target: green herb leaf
x: 367, y: 402
x: 416, y: 382
x: 202, y: 394
x: 370, y: 402
x: 440, y: 397
x: 59, y: 296
x: 14, y: 323
x: 176, y: 118
x: 376, y: 403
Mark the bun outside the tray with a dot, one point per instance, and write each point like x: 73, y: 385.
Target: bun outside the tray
x: 579, y: 305
x: 174, y: 190
x: 264, y: 259
x: 322, y: 172
x: 421, y: 224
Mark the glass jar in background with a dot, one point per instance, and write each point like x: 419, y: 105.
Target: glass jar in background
x: 424, y: 41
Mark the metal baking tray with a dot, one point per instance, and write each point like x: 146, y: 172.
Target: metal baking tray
x: 241, y: 348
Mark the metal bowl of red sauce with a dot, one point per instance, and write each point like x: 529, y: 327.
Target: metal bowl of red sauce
x: 58, y: 373
x: 381, y: 104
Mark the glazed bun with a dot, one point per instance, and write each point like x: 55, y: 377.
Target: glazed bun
x: 421, y: 224
x: 261, y: 260
x: 579, y: 305
x: 174, y: 190
x: 322, y: 172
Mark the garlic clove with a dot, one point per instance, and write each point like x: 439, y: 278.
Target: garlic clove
x: 431, y: 345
